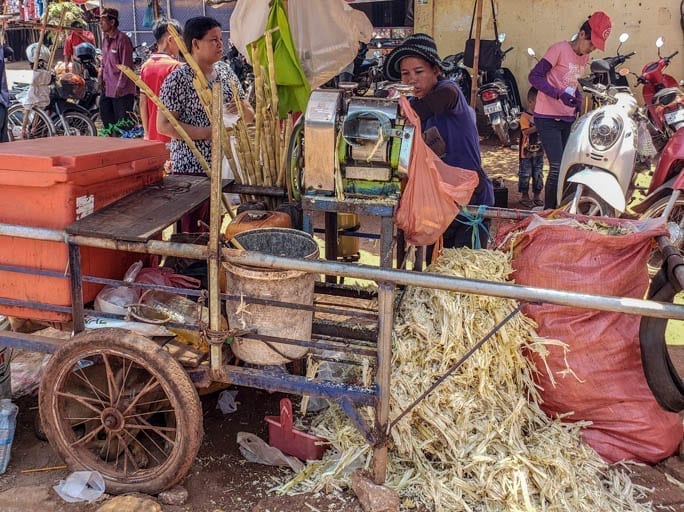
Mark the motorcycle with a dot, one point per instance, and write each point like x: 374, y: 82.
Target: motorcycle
x: 614, y: 74
x: 87, y: 58
x: 597, y: 171
x: 243, y: 70
x: 61, y: 116
x: 665, y: 102
x: 500, y: 100
x: 598, y: 168
x: 657, y: 84
x: 459, y: 73
x: 365, y: 74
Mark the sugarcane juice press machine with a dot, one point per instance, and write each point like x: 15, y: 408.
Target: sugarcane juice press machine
x: 356, y: 151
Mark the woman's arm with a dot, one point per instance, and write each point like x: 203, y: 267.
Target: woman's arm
x: 165, y: 127
x: 537, y: 78
x: 439, y: 100
x: 247, y: 110
x: 144, y: 114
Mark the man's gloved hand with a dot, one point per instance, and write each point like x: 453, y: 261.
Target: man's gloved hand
x: 568, y: 100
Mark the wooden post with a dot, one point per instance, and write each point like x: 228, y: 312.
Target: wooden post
x: 476, y: 53
x: 382, y: 379
x: 214, y: 249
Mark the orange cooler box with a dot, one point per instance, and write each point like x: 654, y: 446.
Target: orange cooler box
x: 52, y: 182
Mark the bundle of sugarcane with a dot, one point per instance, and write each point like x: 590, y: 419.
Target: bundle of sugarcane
x: 479, y: 441
x: 262, y: 151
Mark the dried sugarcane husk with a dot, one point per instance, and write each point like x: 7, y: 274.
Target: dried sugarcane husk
x: 479, y: 441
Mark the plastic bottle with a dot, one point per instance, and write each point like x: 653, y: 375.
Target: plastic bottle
x: 181, y: 310
x: 8, y: 423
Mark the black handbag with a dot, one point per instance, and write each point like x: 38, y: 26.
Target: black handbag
x: 491, y: 55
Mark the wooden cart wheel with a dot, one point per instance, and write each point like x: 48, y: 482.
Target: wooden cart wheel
x: 115, y: 402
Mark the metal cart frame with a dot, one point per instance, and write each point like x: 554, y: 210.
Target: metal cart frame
x: 85, y: 348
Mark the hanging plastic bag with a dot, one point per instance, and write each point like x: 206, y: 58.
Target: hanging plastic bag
x: 248, y: 23
x: 327, y: 35
x: 430, y: 200
x: 38, y: 93
x: 165, y: 276
x: 291, y: 81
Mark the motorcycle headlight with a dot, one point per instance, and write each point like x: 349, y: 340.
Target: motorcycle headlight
x: 604, y: 130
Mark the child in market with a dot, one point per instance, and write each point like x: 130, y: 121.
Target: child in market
x: 531, y: 157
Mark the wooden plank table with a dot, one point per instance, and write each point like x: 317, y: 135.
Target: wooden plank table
x: 146, y: 212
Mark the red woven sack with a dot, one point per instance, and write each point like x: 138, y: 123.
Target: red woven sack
x: 608, y: 387
x: 430, y: 200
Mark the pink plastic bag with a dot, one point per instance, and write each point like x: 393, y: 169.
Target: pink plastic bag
x: 164, y: 276
x: 430, y: 200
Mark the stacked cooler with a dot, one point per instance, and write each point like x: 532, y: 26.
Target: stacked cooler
x: 50, y: 183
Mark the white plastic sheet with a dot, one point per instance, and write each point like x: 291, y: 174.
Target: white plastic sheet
x: 326, y: 34
x: 247, y: 23
x: 81, y: 486
x: 38, y: 93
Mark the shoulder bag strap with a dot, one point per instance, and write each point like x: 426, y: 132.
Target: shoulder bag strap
x: 496, y: 30
x: 472, y: 21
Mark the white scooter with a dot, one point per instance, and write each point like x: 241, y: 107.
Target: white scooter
x: 597, y: 169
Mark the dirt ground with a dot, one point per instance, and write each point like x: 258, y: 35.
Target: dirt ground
x: 220, y: 478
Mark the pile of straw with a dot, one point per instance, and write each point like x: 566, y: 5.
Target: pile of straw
x: 479, y: 441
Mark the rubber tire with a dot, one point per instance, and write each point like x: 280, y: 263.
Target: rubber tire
x: 295, y: 161
x: 661, y: 375
x: 15, y: 109
x: 653, y: 212
x: 173, y: 380
x: 501, y: 130
x: 86, y: 124
x: 606, y: 209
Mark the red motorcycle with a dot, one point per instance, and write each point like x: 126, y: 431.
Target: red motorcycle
x: 665, y: 101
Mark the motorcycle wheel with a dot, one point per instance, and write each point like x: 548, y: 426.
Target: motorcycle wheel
x: 501, y: 130
x: 38, y: 123
x: 484, y: 129
x: 589, y: 203
x: 76, y: 124
x: 656, y: 210
x: 660, y: 371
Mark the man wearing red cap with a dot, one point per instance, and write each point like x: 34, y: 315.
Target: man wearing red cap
x: 559, y: 99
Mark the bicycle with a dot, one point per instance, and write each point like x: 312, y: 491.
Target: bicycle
x: 60, y: 117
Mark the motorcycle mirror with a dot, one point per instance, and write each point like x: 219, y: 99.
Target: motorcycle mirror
x: 623, y: 37
x: 129, y: 34
x: 502, y: 37
x: 531, y: 52
x: 659, y: 44
x: 574, y: 36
